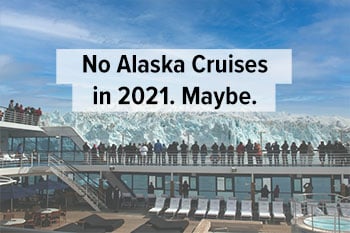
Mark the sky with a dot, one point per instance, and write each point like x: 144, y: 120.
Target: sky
x: 317, y: 31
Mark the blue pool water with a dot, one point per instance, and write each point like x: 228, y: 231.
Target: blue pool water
x: 327, y: 223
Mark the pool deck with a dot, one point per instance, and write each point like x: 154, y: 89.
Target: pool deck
x: 134, y: 218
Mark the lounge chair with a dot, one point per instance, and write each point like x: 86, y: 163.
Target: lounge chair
x: 214, y: 208
x: 332, y: 209
x: 174, y: 206
x: 345, y: 209
x: 312, y: 209
x: 202, y: 208
x: 264, y: 210
x: 231, y: 208
x: 246, y: 209
x: 277, y: 211
x: 185, y: 207
x: 296, y: 209
x: 158, y: 207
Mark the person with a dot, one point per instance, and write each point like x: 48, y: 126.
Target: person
x: 86, y: 150
x: 276, y: 153
x: 183, y: 150
x: 276, y: 192
x: 94, y: 154
x: 330, y: 154
x: 1, y: 115
x: 185, y: 189
x: 310, y: 153
x: 308, y: 189
x: 158, y: 151
x: 164, y: 149
x: 150, y: 154
x: 250, y: 152
x: 230, y: 154
x: 322, y: 152
x: 143, y: 152
x: 113, y: 154
x: 285, y: 151
x: 204, y: 152
x: 294, y: 151
x: 215, y: 151
x: 195, y: 151
x: 150, y: 188
x: 269, y: 152
x: 101, y: 151
x: 240, y: 154
x: 258, y: 154
x: 265, y: 192
x: 303, y: 152
x: 120, y: 154
x: 222, y: 153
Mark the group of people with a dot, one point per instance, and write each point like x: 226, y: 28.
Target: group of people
x: 160, y: 154
x: 18, y: 114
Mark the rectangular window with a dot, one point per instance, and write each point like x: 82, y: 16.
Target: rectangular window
x: 220, y: 183
x: 228, y: 184
x: 193, y: 183
x: 297, y: 185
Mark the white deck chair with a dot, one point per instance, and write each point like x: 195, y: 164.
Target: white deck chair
x: 246, y: 209
x: 296, y: 210
x: 264, y: 210
x: 185, y: 207
x: 174, y: 206
x: 202, y: 208
x: 159, y: 206
x: 214, y: 208
x: 345, y: 209
x: 231, y: 208
x: 312, y: 209
x: 332, y: 209
x: 277, y: 211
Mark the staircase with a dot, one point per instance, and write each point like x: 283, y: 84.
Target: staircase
x: 116, y: 182
x: 88, y: 191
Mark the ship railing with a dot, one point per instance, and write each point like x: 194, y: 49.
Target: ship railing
x: 18, y: 117
x: 176, y: 159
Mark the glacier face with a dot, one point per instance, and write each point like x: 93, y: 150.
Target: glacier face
x: 202, y: 127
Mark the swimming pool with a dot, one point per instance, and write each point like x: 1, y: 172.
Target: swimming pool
x: 327, y: 223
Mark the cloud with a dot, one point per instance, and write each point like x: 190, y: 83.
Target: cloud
x: 47, y: 26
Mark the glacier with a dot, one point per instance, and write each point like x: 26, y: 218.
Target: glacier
x: 206, y: 128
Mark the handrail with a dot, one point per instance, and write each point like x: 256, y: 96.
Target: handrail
x: 88, y: 189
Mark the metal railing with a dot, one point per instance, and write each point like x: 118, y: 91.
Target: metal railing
x: 89, y: 190
x: 18, y: 117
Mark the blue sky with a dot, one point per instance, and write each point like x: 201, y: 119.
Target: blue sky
x: 317, y: 31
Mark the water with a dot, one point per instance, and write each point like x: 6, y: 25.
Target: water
x: 327, y: 223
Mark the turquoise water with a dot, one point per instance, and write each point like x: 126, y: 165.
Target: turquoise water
x: 327, y: 223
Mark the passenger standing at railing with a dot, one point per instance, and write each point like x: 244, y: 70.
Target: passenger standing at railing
x: 163, y: 154
x: 195, y: 151
x: 150, y: 154
x: 230, y: 154
x: 222, y: 154
x: 86, y: 150
x: 94, y: 154
x: 10, y: 111
x: 310, y: 153
x: 303, y: 153
x: 1, y: 115
x: 204, y: 152
x: 294, y: 151
x: 120, y: 154
x: 183, y: 150
x: 158, y: 151
x: 329, y: 151
x: 37, y: 114
x: 322, y: 152
x: 269, y: 152
x: 250, y: 152
x: 285, y: 147
x: 214, y: 153
x: 276, y: 153
x: 240, y: 154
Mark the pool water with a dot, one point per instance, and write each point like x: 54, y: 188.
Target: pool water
x: 327, y: 223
